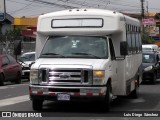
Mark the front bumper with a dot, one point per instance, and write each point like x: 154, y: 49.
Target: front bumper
x: 25, y: 73
x: 148, y: 75
x: 75, y: 93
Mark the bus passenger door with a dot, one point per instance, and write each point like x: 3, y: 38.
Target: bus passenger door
x: 113, y: 65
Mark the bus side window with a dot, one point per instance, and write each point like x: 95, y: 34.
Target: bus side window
x: 112, y: 52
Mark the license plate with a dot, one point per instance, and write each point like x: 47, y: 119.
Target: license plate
x: 63, y: 97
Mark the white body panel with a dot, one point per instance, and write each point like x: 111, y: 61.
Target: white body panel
x: 114, y: 25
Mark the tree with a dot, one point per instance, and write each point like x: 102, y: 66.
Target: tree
x: 6, y: 40
x: 146, y: 39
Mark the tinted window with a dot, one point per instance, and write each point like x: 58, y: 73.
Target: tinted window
x: 137, y: 43
x: 112, y: 52
x: 129, y: 41
x: 140, y: 42
x: 148, y: 58
x: 133, y: 39
x: 27, y: 57
x: 133, y: 43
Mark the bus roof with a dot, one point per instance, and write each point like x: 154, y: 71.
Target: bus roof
x: 74, y: 12
x: 109, y: 24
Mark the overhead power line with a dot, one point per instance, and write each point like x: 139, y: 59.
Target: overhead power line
x: 51, y: 3
x: 70, y: 4
x: 20, y: 9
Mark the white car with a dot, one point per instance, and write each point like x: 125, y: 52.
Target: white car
x: 25, y: 60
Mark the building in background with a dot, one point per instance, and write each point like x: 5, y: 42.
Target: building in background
x: 28, y: 26
x: 6, y: 24
x: 151, y: 23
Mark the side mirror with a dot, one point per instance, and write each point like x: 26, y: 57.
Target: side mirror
x: 17, y: 47
x: 123, y: 48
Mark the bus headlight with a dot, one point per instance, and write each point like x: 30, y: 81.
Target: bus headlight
x: 34, y: 76
x: 98, y: 77
x: 148, y: 68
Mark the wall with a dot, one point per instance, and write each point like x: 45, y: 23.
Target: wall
x: 6, y: 27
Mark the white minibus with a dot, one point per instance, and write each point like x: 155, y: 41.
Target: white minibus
x: 86, y: 54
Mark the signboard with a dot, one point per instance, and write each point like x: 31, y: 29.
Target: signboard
x: 148, y: 21
x: 155, y: 37
x: 2, y: 10
x: 153, y: 30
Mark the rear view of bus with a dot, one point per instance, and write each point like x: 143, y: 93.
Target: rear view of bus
x: 85, y: 54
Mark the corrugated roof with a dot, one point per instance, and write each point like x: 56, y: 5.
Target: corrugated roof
x: 8, y: 18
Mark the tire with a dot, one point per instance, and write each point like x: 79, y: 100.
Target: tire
x: 134, y: 94
x: 18, y: 79
x: 2, y: 79
x: 108, y: 99
x: 153, y: 81
x: 37, y: 104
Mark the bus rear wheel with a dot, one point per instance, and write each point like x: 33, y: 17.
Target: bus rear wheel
x: 134, y: 94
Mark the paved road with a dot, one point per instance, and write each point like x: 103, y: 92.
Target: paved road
x: 15, y: 98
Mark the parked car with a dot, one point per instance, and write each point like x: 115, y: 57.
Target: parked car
x: 10, y: 69
x: 151, y: 66
x: 25, y: 60
x: 150, y: 47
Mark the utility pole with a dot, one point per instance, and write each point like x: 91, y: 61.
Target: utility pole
x: 142, y: 13
x: 148, y: 27
x: 142, y: 9
x: 147, y: 10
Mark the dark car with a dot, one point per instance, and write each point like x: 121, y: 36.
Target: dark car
x: 10, y: 69
x: 151, y: 66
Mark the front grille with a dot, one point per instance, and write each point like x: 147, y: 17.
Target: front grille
x: 25, y: 68
x: 65, y: 76
x: 73, y: 76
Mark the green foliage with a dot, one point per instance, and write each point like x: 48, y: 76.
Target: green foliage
x: 7, y: 39
x: 13, y: 34
x: 146, y: 39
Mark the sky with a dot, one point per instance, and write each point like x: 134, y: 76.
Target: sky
x: 31, y: 8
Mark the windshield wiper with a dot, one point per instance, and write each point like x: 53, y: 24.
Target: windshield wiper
x: 53, y: 54
x: 81, y: 53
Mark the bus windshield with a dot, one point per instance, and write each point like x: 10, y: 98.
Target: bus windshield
x: 76, y: 47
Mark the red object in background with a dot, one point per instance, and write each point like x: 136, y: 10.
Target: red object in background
x: 30, y: 32
x: 10, y: 69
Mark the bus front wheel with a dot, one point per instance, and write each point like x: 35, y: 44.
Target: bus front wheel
x: 108, y: 98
